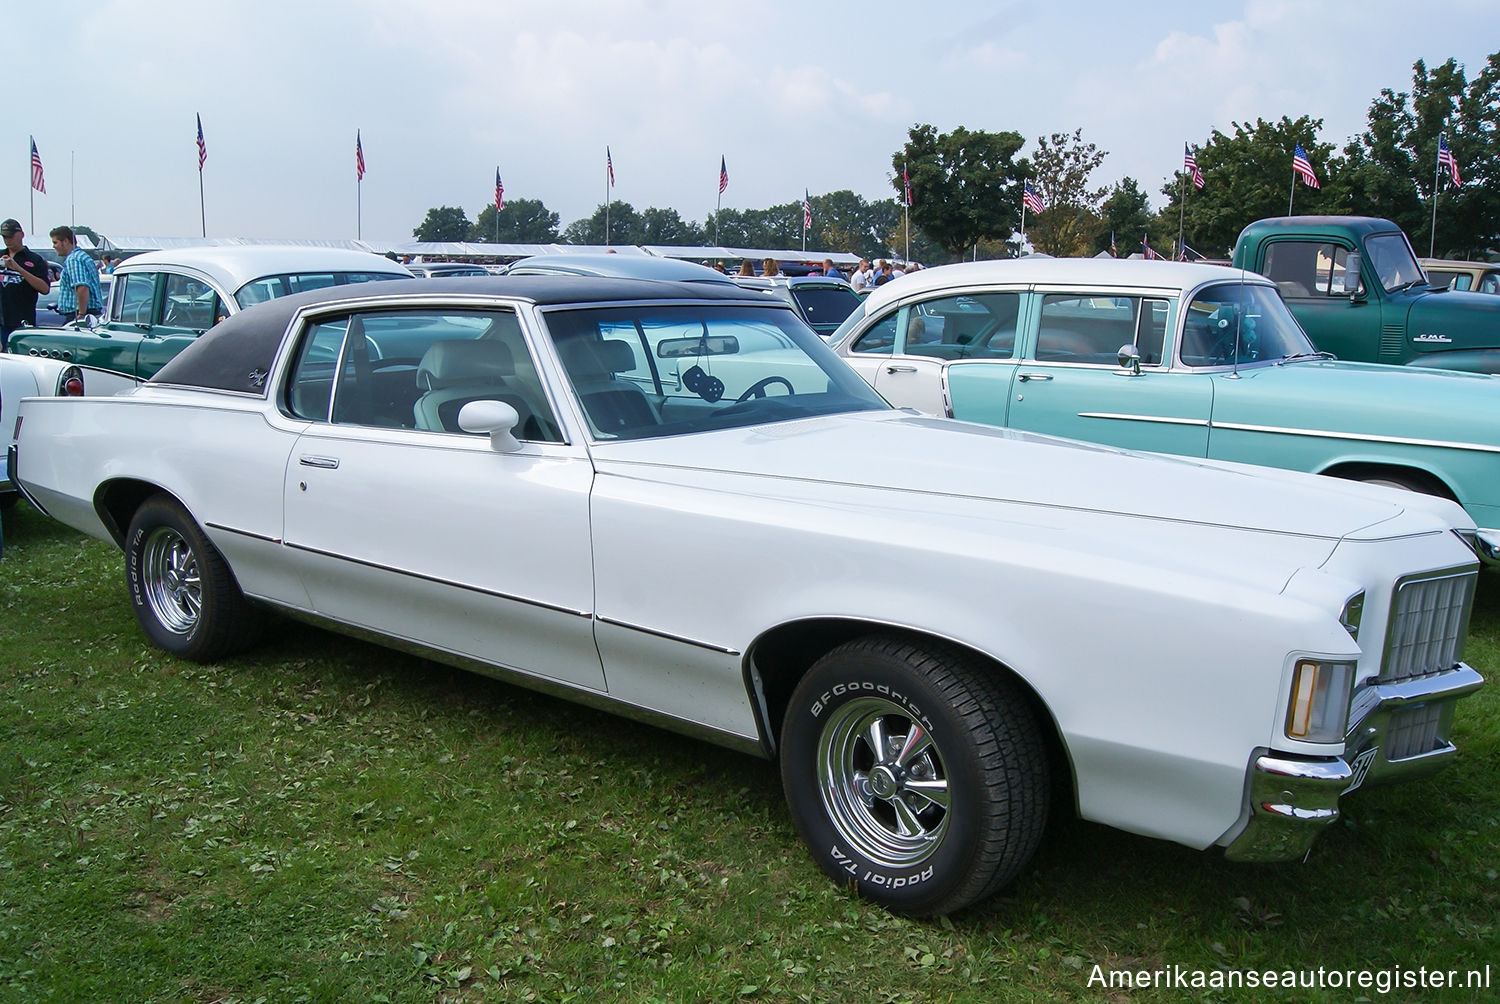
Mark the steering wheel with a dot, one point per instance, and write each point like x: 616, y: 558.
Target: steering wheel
x: 758, y: 388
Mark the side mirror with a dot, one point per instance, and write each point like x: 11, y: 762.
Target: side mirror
x: 494, y: 417
x: 1130, y: 359
x: 1356, y: 291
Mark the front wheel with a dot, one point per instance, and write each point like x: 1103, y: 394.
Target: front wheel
x: 183, y: 592
x: 916, y: 775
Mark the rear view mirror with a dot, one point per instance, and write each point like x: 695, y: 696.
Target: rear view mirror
x: 706, y: 345
x: 1352, y: 285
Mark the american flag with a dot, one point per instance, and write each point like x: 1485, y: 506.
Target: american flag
x: 723, y: 175
x: 202, y: 146
x: 1146, y: 247
x: 38, y: 181
x: 906, y: 184
x: 1114, y: 251
x: 806, y: 210
x: 1031, y: 200
x: 609, y: 167
x: 1303, y: 168
x: 499, y: 192
x: 359, y: 157
x: 1446, y: 159
x: 1190, y: 165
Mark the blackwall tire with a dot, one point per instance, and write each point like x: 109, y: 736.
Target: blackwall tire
x: 183, y: 592
x: 952, y: 807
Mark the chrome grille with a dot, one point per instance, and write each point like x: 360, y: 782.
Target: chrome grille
x: 1429, y: 619
x: 1413, y: 731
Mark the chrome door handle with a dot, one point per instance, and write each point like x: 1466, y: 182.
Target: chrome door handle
x: 327, y: 463
x: 1034, y: 376
x: 900, y: 369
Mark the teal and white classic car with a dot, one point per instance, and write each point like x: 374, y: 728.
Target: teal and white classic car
x: 1196, y: 360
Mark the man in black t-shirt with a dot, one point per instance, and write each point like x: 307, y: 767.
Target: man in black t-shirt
x: 23, y: 277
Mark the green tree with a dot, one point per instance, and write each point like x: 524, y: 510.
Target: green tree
x: 1393, y: 164
x: 1060, y: 172
x: 844, y: 221
x: 523, y: 221
x: 965, y: 185
x: 1248, y: 176
x: 1123, y: 219
x: 444, y: 223
x: 665, y: 226
x: 624, y: 226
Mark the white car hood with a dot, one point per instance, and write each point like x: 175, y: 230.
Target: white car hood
x: 939, y: 457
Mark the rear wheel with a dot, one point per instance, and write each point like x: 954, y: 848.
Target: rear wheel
x: 916, y: 775
x: 183, y: 592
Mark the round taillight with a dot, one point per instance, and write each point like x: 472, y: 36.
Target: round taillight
x: 72, y: 387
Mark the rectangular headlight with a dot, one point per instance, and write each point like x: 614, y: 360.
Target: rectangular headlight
x: 1318, y: 707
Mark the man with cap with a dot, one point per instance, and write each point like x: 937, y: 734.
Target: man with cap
x: 78, y: 292
x: 23, y: 277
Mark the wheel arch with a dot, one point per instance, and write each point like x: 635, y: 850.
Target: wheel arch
x: 116, y: 502
x: 1364, y: 470
x: 777, y: 660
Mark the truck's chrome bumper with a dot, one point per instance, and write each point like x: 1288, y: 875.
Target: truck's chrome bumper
x: 1399, y: 732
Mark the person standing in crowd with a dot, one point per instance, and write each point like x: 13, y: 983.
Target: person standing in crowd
x: 78, y: 292
x: 23, y: 279
x: 830, y: 270
x: 884, y: 273
x: 861, y: 277
x: 747, y: 267
x: 769, y: 267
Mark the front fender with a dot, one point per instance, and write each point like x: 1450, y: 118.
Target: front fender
x: 1469, y: 360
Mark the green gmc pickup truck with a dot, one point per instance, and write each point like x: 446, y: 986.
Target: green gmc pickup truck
x: 1356, y: 287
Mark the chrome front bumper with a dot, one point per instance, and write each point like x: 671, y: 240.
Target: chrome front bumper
x: 1292, y: 798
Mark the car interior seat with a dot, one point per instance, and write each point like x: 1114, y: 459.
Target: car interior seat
x: 456, y: 371
x: 614, y: 406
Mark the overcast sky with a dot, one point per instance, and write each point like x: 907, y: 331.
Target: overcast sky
x: 814, y: 96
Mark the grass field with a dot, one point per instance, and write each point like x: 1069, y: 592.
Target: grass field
x: 323, y: 820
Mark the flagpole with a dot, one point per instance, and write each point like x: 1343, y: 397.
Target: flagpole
x: 1181, y: 212
x: 906, y: 208
x: 607, y: 166
x: 73, y: 202
x: 1437, y: 179
x: 202, y: 212
x: 1292, y: 195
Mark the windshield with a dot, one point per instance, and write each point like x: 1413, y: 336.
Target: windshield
x: 272, y: 286
x: 1393, y: 261
x: 1240, y: 323
x: 648, y: 370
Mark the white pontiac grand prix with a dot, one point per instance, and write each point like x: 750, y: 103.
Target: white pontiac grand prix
x: 674, y: 501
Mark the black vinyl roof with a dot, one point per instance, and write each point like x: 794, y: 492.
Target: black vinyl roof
x: 237, y: 353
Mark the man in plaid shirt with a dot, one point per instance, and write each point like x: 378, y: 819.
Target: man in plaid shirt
x: 78, y: 292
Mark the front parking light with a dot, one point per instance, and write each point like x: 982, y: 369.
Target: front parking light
x: 1318, y: 707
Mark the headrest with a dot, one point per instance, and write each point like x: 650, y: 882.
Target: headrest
x: 585, y: 357
x: 463, y: 361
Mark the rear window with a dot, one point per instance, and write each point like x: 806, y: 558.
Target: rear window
x: 272, y: 287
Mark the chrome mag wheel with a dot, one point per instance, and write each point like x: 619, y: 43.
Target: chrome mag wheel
x: 883, y: 783
x: 172, y: 583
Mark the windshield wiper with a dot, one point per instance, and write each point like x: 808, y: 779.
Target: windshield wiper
x: 1305, y: 355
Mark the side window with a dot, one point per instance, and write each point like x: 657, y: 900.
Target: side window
x: 416, y: 370
x: 134, y: 297
x: 1309, y: 269
x: 1490, y: 283
x: 880, y: 338
x: 190, y: 303
x: 1087, y: 329
x: 968, y: 326
x: 1151, y: 331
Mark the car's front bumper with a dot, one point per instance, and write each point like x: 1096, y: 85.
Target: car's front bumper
x: 1292, y: 798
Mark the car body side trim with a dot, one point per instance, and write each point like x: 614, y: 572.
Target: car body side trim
x: 1160, y: 419
x: 669, y: 637
x: 546, y: 685
x: 1358, y: 437
x: 543, y: 604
